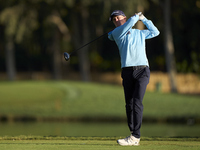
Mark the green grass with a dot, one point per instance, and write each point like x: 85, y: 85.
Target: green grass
x: 78, y: 99
x: 96, y: 129
x: 97, y: 143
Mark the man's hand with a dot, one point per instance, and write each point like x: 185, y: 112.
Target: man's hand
x: 141, y: 16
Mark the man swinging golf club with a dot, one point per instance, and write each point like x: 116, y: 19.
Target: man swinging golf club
x: 135, y: 67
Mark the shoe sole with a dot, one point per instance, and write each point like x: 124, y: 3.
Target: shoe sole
x: 128, y: 145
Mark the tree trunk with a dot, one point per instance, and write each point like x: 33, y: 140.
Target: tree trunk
x: 61, y: 31
x: 83, y: 54
x: 169, y: 48
x: 10, y: 60
x: 81, y: 37
x: 57, y: 61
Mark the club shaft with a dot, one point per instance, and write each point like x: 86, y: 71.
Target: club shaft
x: 89, y: 42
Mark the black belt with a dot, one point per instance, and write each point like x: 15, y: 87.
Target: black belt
x: 135, y: 67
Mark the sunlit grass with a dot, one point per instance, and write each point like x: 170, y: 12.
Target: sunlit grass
x: 78, y: 99
x: 79, y: 143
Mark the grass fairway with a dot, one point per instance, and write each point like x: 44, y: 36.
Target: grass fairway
x: 87, y: 100
x: 97, y: 143
x: 78, y: 99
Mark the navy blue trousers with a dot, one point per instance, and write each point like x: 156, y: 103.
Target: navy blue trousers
x: 135, y: 83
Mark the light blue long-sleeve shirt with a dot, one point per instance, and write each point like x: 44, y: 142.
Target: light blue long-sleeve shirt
x: 131, y: 42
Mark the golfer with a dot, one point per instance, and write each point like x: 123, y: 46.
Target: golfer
x: 135, y: 67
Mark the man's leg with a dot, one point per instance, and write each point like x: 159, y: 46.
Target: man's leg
x: 142, y: 79
x: 134, y: 83
x: 128, y: 85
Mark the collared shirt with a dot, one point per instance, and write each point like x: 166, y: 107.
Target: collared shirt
x: 131, y: 42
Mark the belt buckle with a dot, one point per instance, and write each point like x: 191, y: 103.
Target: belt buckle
x: 138, y: 67
x: 135, y: 67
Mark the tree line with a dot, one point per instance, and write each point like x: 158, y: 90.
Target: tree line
x: 35, y: 33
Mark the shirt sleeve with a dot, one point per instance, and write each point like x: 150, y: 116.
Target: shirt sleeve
x: 120, y: 31
x: 110, y: 37
x: 151, y: 31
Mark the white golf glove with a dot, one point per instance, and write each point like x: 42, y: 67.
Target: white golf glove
x: 141, y: 16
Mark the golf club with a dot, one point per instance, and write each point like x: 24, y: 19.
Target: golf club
x: 67, y: 55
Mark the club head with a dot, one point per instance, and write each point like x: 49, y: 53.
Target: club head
x: 66, y: 56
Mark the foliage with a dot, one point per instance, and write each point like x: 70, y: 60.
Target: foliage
x: 28, y: 23
x: 186, y: 35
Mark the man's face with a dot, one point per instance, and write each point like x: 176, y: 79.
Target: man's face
x: 119, y: 20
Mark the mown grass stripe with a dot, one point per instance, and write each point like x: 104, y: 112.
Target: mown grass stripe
x: 97, y: 138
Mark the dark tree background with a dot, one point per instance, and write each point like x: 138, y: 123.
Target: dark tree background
x: 35, y: 33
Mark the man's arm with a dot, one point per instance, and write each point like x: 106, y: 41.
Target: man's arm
x: 152, y: 30
x: 120, y: 31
